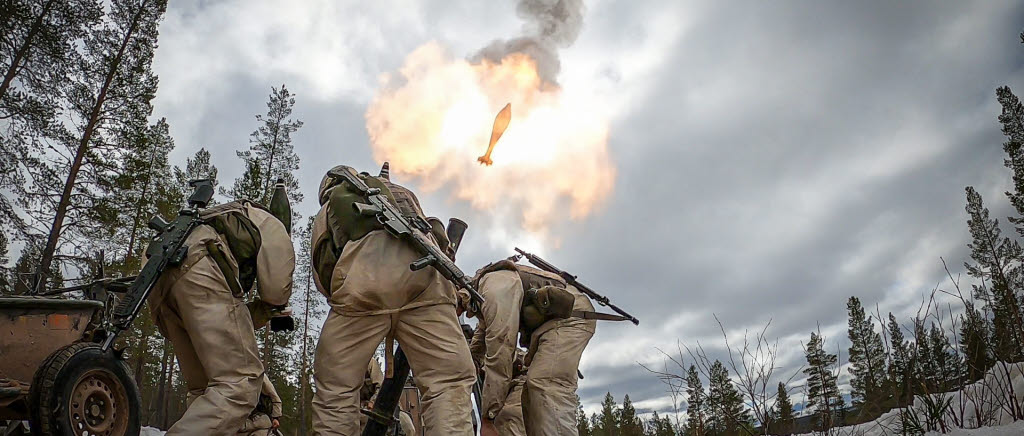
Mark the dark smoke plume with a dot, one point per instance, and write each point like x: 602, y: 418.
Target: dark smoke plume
x: 550, y: 25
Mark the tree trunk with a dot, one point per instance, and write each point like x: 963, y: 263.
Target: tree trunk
x: 22, y: 52
x: 304, y: 381
x: 76, y: 165
x: 161, y: 394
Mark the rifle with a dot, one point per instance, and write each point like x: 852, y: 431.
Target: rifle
x: 166, y: 249
x: 411, y: 230
x: 571, y: 279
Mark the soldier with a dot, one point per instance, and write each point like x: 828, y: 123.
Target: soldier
x: 199, y: 306
x: 364, y: 272
x: 555, y: 347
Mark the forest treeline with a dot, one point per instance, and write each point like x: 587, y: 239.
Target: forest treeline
x: 85, y: 163
x: 960, y: 332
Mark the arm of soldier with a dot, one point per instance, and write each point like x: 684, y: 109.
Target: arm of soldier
x: 478, y: 345
x: 323, y: 256
x: 275, y: 261
x: 276, y: 409
x: 376, y: 378
x: 503, y: 293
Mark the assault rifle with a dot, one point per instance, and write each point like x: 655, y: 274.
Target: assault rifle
x: 571, y: 279
x: 166, y: 249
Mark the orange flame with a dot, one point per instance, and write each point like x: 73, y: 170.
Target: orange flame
x: 433, y: 118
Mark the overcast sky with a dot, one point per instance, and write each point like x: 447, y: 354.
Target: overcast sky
x: 773, y: 158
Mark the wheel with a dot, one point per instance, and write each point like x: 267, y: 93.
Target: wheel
x: 81, y: 390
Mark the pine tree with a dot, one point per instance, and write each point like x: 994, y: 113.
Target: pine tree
x: 899, y: 370
x: 1012, y: 121
x: 37, y: 51
x: 783, y: 412
x: 629, y: 423
x: 271, y: 155
x: 606, y: 423
x: 995, y: 265
x: 867, y: 357
x: 196, y: 167
x: 696, y: 405
x: 140, y: 187
x: 110, y: 92
x: 823, y: 394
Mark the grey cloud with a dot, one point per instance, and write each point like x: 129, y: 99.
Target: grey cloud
x: 775, y: 160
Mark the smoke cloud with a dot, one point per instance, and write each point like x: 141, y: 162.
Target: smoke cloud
x: 549, y: 25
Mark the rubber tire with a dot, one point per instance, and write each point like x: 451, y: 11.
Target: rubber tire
x: 55, y: 379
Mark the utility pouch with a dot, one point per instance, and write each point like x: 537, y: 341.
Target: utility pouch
x: 544, y: 304
x: 242, y: 237
x: 221, y: 260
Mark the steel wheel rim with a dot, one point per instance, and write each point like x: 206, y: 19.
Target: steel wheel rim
x: 98, y: 405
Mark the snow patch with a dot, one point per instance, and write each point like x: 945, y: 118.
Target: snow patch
x: 985, y: 404
x: 150, y: 431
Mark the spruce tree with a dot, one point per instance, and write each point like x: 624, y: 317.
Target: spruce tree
x: 899, y: 369
x: 947, y: 364
x: 109, y: 92
x: 823, y: 395
x: 867, y: 357
x: 696, y: 404
x: 629, y: 423
x: 726, y: 413
x: 582, y: 422
x: 974, y: 343
x: 606, y: 423
x: 271, y: 155
x: 783, y: 412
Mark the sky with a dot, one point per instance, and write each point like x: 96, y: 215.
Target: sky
x: 771, y: 159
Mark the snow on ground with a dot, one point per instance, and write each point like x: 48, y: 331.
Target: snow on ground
x: 1015, y: 429
x: 150, y: 431
x: 990, y: 398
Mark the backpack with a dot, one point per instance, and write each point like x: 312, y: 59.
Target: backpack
x: 230, y: 221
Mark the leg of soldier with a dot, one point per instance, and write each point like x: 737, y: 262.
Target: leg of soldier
x: 549, y: 397
x: 339, y: 366
x: 509, y: 421
x: 223, y: 342
x: 441, y: 363
x: 170, y: 325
